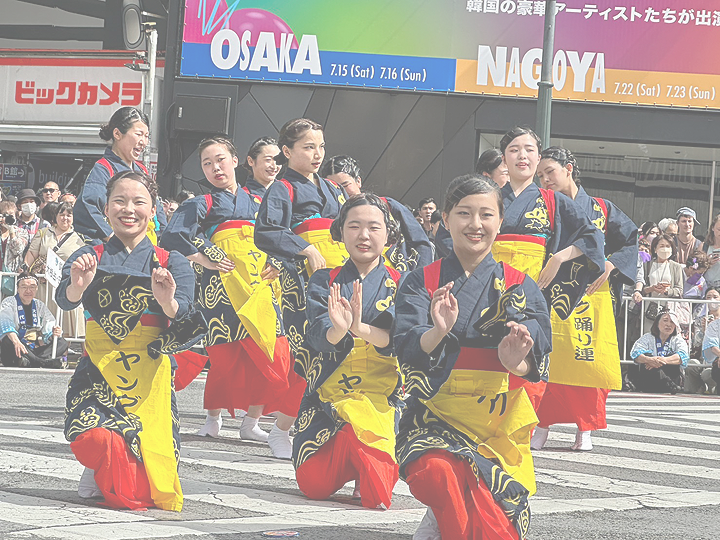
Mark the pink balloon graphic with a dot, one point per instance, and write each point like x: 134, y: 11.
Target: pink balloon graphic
x: 198, y: 14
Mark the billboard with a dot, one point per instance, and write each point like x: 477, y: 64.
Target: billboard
x: 647, y: 52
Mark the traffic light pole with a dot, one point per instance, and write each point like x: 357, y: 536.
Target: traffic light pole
x: 545, y: 86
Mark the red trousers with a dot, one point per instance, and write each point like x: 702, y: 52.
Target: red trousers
x: 119, y: 475
x: 534, y: 391
x: 344, y: 458
x: 464, y: 508
x: 241, y: 375
x: 563, y: 404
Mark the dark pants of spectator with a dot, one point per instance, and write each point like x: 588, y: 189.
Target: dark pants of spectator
x: 661, y: 380
x: 39, y: 357
x: 716, y: 377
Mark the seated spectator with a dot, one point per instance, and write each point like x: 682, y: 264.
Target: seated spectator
x: 711, y: 353
x: 661, y: 356
x: 712, y: 248
x: 61, y: 238
x: 14, y: 242
x: 698, y: 374
x: 695, y: 267
x: 685, y: 241
x: 27, y: 329
x: 668, y: 226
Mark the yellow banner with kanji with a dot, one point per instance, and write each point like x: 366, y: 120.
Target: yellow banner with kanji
x: 585, y: 350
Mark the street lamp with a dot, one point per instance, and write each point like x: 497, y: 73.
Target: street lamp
x: 545, y: 86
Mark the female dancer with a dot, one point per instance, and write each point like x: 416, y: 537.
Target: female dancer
x: 261, y: 166
x: 579, y: 404
x: 346, y: 424
x: 293, y: 225
x: 127, y: 135
x: 542, y: 231
x: 121, y: 414
x: 250, y: 360
x: 413, y: 248
x: 463, y: 324
x: 490, y: 164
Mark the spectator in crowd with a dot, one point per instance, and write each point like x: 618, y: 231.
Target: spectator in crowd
x: 14, y: 242
x: 68, y: 197
x: 695, y: 268
x: 711, y: 353
x: 61, y: 238
x: 490, y: 165
x: 435, y: 221
x: 418, y: 217
x: 664, y: 277
x: 27, y: 328
x: 169, y: 205
x: 698, y: 374
x: 28, y: 204
x: 685, y: 241
x: 183, y: 196
x: 427, y: 206
x: 50, y: 192
x: 649, y: 231
x: 661, y: 355
x: 644, y: 250
x: 712, y: 248
x: 668, y: 226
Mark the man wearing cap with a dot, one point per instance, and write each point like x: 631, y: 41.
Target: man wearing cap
x: 28, y: 203
x: 27, y: 328
x: 685, y: 242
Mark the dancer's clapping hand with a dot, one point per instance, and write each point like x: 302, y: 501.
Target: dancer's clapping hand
x: 341, y: 315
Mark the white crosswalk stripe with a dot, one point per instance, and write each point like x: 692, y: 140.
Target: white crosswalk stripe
x: 652, y: 455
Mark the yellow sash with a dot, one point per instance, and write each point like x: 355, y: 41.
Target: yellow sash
x: 333, y: 252
x: 144, y: 388
x: 499, y: 421
x: 359, y: 390
x: 585, y: 350
x: 526, y: 257
x: 151, y: 234
x: 251, y: 297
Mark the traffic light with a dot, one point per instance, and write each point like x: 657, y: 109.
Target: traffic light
x: 132, y: 24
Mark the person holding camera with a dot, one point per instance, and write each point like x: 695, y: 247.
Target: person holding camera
x: 14, y: 242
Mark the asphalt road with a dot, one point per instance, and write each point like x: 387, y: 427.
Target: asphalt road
x: 654, y: 474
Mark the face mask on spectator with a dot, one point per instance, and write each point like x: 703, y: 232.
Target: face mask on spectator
x: 28, y: 208
x: 645, y: 256
x: 650, y: 237
x: 713, y: 306
x: 664, y: 252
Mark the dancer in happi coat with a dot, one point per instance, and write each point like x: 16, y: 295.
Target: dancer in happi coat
x: 251, y: 365
x: 346, y: 424
x: 127, y: 135
x: 121, y: 414
x: 412, y: 249
x: 261, y: 166
x: 545, y: 234
x: 293, y: 225
x: 463, y: 325
x: 585, y: 357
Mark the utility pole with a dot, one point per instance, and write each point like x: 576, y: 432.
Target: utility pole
x: 545, y: 86
x: 152, y: 41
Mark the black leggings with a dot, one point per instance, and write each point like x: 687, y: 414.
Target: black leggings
x: 39, y: 357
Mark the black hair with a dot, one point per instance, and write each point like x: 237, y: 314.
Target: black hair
x: 26, y: 275
x: 122, y: 119
x: 254, y: 150
x: 426, y: 200
x: 655, y: 330
x: 488, y: 161
x: 416, y: 213
x: 564, y: 157
x: 61, y: 209
x: 697, y: 260
x: 144, y: 179
x: 218, y: 139
x: 49, y: 212
x: 471, y: 184
x: 291, y: 133
x: 656, y: 241
x: 712, y: 288
x: 435, y: 217
x: 341, y: 164
x: 648, y: 226
x: 365, y: 199
x: 516, y: 132
x: 183, y: 196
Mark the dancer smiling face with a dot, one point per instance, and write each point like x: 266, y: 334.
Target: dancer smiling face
x: 130, y: 206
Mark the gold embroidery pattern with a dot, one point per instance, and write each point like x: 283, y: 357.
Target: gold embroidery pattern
x: 539, y: 217
x: 214, y: 294
x: 601, y: 221
x: 382, y: 305
x: 416, y: 382
x: 310, y: 447
x: 214, y: 253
